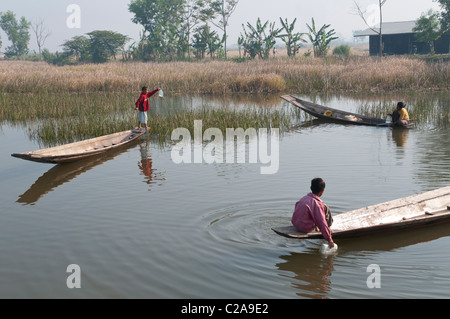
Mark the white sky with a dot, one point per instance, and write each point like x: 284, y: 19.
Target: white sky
x: 114, y: 15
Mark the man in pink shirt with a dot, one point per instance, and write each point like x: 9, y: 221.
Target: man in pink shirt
x: 310, y: 212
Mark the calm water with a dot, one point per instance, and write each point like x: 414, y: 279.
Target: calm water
x: 141, y: 226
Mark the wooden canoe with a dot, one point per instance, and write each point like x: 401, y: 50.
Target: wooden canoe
x: 333, y: 115
x: 413, y: 211
x: 79, y: 150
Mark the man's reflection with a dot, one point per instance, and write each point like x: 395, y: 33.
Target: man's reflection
x: 311, y: 273
x: 400, y: 136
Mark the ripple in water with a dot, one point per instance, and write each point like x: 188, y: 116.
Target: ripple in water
x: 252, y: 223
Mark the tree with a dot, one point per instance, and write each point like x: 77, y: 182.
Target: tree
x: 161, y: 20
x: 41, y: 33
x: 292, y: 40
x: 195, y: 12
x: 78, y: 46
x: 378, y: 31
x: 428, y: 29
x: 95, y: 46
x: 206, y: 40
x: 224, y: 9
x: 320, y: 39
x: 258, y: 40
x: 445, y: 15
x: 105, y: 44
x: 17, y: 32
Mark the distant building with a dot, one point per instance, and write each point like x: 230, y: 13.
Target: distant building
x: 398, y: 38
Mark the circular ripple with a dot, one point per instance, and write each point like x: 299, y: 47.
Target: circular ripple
x: 252, y: 223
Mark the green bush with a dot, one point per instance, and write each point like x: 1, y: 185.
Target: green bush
x: 342, y: 50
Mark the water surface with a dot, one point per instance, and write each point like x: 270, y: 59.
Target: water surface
x: 140, y: 226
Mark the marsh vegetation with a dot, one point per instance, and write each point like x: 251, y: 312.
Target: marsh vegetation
x: 63, y: 104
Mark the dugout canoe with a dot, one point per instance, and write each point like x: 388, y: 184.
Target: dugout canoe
x: 333, y: 115
x: 419, y: 210
x: 79, y: 150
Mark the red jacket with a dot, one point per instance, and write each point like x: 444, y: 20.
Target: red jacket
x: 142, y: 102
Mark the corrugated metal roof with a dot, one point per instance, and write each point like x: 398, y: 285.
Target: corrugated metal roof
x: 389, y: 28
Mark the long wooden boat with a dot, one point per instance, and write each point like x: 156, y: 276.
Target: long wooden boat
x: 79, y: 150
x: 413, y: 211
x: 334, y: 115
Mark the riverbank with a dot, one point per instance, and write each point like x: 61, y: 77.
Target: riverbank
x: 303, y: 74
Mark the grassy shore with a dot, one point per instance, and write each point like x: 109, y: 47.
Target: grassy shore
x: 306, y: 75
x: 65, y: 104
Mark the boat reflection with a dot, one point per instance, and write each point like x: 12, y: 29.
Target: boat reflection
x: 63, y: 173
x: 311, y: 271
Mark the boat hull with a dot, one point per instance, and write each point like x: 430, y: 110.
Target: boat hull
x: 80, y: 150
x: 334, y: 115
x: 410, y: 212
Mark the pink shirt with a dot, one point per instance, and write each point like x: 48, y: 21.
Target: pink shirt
x: 309, y: 212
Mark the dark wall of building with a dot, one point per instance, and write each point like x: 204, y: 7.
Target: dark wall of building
x: 406, y: 44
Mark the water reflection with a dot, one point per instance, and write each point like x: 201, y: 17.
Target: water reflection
x: 61, y: 174
x: 64, y: 173
x: 151, y: 175
x: 400, y: 136
x: 310, y: 271
x: 433, y: 158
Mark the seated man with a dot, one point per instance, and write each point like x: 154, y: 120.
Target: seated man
x: 310, y: 212
x: 400, y: 116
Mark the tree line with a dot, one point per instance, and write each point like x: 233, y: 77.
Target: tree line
x: 183, y: 30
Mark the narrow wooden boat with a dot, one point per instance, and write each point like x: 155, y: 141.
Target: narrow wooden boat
x: 334, y: 115
x: 79, y: 150
x: 413, y: 211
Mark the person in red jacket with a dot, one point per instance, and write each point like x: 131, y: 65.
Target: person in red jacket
x: 143, y: 106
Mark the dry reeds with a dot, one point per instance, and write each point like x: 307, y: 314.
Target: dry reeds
x: 306, y: 75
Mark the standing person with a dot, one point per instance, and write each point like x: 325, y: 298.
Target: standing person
x: 310, y: 212
x: 143, y: 105
x: 400, y: 116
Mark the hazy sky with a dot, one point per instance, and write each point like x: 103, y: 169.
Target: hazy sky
x: 114, y: 15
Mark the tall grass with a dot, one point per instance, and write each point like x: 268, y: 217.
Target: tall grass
x: 306, y: 75
x: 421, y: 109
x: 53, y: 119
x: 49, y: 132
x: 57, y: 118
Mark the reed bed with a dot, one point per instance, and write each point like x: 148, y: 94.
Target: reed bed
x: 421, y: 110
x: 54, y: 131
x: 306, y: 75
x: 57, y: 118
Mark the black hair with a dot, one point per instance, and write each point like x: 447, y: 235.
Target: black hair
x: 144, y: 88
x: 401, y: 104
x: 317, y: 185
